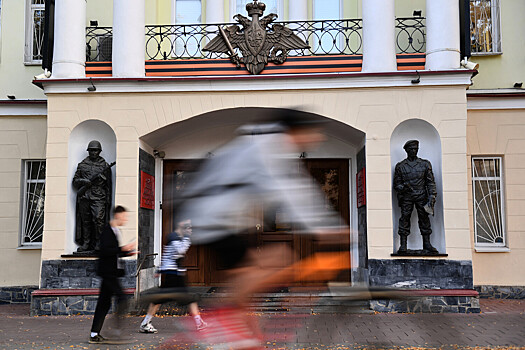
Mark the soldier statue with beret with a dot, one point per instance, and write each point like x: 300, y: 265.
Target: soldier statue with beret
x: 93, y: 183
x: 415, y: 186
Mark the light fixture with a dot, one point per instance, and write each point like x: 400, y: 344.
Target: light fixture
x: 465, y: 63
x: 417, y: 13
x: 44, y: 75
x: 303, y: 155
x: 159, y: 154
x: 518, y: 85
x: 92, y: 87
x: 11, y: 97
x: 417, y: 80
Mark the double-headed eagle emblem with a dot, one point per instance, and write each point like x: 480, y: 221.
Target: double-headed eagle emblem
x: 258, y: 46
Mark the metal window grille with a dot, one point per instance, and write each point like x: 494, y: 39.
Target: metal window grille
x: 485, y: 33
x: 35, y: 31
x: 33, y: 202
x: 489, y: 225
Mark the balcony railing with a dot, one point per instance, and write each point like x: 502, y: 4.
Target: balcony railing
x: 328, y: 37
x: 410, y: 35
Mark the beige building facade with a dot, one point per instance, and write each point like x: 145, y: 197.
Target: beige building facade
x: 152, y: 122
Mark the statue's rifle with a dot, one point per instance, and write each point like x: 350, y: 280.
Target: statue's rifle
x: 233, y: 56
x: 86, y: 187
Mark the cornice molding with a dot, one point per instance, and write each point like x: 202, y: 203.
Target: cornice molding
x: 258, y: 83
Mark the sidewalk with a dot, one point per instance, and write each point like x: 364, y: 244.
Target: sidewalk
x: 500, y: 325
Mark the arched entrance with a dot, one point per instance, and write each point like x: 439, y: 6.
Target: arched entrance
x: 187, y: 143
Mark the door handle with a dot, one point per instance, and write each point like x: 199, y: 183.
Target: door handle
x: 258, y: 227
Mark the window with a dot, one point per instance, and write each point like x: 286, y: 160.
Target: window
x: 32, y: 226
x: 272, y: 6
x: 328, y: 38
x: 34, y: 32
x: 485, y: 33
x: 489, y: 228
x: 187, y: 39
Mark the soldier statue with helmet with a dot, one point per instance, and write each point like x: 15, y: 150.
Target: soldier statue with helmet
x: 93, y: 183
x: 415, y: 186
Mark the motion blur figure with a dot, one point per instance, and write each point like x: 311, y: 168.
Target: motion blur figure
x: 260, y: 167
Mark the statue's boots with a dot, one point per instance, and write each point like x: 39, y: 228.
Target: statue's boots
x: 427, y: 246
x: 83, y: 248
x: 402, y: 244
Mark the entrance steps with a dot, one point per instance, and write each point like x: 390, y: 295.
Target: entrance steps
x: 289, y: 300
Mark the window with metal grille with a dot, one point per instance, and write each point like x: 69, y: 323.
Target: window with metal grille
x: 34, y: 31
x: 487, y: 190
x: 32, y: 225
x: 485, y: 31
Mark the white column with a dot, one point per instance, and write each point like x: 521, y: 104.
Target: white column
x: 442, y: 34
x: 214, y: 11
x: 297, y: 10
x: 69, y: 47
x: 129, y: 39
x: 379, y: 50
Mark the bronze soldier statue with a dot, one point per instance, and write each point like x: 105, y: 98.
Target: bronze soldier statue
x: 415, y: 186
x: 93, y: 182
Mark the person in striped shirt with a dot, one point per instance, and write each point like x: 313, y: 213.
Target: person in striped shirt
x: 172, y: 267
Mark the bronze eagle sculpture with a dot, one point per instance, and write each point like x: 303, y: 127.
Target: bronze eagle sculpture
x: 257, y: 45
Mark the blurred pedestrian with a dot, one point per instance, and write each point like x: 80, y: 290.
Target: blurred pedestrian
x: 174, y: 271
x: 110, y: 268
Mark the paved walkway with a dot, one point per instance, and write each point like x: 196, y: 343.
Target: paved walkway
x: 501, y: 325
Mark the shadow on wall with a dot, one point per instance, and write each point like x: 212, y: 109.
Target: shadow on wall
x: 429, y: 149
x: 80, y: 136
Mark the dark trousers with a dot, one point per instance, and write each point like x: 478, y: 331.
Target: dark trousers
x: 407, y: 206
x: 110, y: 286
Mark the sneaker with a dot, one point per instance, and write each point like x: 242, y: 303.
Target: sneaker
x: 147, y: 328
x: 97, y: 339
x: 201, y: 325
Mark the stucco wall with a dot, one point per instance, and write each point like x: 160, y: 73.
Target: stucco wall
x: 15, y: 76
x: 501, y: 133
x: 20, y: 138
x: 375, y: 111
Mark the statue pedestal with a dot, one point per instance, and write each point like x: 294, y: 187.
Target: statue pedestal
x: 86, y: 254
x: 418, y: 252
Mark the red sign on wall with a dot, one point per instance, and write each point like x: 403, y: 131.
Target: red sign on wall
x: 360, y: 181
x: 147, y: 191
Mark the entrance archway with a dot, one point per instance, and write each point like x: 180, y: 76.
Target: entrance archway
x: 186, y: 143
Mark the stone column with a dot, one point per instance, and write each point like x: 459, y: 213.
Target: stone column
x: 379, y: 50
x: 297, y: 10
x: 214, y: 11
x: 442, y: 35
x: 69, y: 48
x: 129, y: 39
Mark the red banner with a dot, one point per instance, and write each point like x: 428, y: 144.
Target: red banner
x: 147, y: 191
x: 360, y: 181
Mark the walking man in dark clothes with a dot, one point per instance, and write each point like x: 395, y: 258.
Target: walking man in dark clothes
x: 110, y: 268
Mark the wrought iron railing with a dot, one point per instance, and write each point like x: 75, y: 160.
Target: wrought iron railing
x: 410, y: 35
x: 337, y: 37
x: 327, y: 37
x: 99, y: 42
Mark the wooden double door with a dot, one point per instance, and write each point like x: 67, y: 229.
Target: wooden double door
x: 330, y: 174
